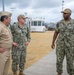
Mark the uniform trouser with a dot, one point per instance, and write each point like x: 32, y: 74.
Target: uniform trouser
x: 4, y: 62
x: 61, y: 53
x: 18, y: 58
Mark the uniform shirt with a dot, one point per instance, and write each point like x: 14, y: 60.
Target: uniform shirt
x: 66, y: 33
x: 20, y: 34
x: 5, y: 36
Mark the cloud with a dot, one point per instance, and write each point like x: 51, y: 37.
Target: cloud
x: 18, y: 3
x: 45, y: 4
x: 48, y: 9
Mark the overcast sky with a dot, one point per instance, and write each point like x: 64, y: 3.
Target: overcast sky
x: 48, y: 9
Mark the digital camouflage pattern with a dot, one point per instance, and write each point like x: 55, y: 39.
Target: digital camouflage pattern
x: 65, y: 45
x: 20, y: 36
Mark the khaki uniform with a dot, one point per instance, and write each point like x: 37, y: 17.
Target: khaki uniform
x: 65, y: 45
x: 6, y: 43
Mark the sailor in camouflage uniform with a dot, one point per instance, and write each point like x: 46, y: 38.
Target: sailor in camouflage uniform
x: 21, y: 38
x: 65, y: 42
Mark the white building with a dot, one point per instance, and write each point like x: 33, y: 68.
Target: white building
x: 36, y: 25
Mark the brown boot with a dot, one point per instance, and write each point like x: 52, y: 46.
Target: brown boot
x: 14, y: 73
x: 21, y: 73
x: 59, y: 74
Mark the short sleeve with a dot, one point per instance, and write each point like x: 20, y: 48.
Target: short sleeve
x: 12, y: 29
x: 28, y: 34
x: 57, y: 27
x: 0, y: 30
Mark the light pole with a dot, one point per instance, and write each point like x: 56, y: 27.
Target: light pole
x: 62, y: 5
x: 12, y: 10
x: 3, y: 5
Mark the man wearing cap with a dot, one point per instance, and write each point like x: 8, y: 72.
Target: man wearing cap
x: 65, y: 42
x: 21, y: 39
x: 5, y: 42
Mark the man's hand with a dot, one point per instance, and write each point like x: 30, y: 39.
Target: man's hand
x: 15, y: 44
x: 27, y: 43
x: 53, y: 46
x: 2, y: 50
